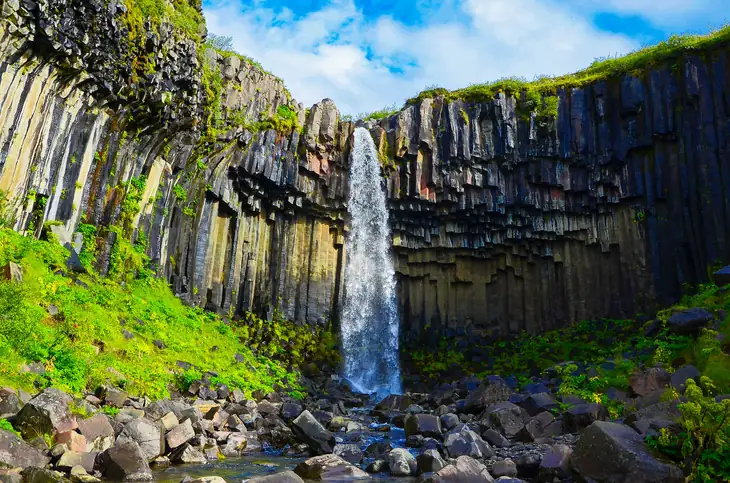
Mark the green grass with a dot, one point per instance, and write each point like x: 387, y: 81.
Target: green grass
x: 83, y: 346
x: 601, y: 69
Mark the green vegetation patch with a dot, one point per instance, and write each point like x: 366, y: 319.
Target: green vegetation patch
x: 84, y: 346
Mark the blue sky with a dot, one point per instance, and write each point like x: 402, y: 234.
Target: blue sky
x: 366, y: 54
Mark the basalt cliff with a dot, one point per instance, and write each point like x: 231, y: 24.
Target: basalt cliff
x: 502, y: 219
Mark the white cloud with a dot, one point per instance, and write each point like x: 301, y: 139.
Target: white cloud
x: 336, y: 52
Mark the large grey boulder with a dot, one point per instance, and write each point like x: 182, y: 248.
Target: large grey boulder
x: 349, y: 452
x: 125, y: 461
x: 16, y: 453
x: 187, y: 454
x: 556, y: 462
x: 689, y: 322
x: 47, y: 413
x: 98, y: 432
x: 424, y: 424
x: 10, y: 405
x: 329, y: 468
x: 506, y: 417
x: 610, y: 453
x: 464, y: 470
x: 146, y: 434
x: 429, y: 462
x: 582, y: 415
x: 180, y: 434
x: 401, y: 462
x: 307, y: 429
x: 489, y: 392
x: 467, y: 443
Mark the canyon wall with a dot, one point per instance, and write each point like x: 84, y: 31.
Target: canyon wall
x: 502, y: 220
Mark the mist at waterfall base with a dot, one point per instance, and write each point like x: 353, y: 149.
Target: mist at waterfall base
x: 369, y: 322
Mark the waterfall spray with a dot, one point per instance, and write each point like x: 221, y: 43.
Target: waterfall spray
x: 369, y: 320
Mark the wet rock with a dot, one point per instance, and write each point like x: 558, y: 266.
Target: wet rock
x: 146, y: 434
x: 467, y: 443
x: 689, y: 322
x: 464, y: 470
x: 235, y: 445
x: 378, y: 450
x: 349, y: 452
x: 47, y: 413
x: 329, y: 467
x: 423, y: 424
x: 187, y: 454
x: 489, y: 392
x: 613, y: 452
x: 310, y: 431
x: 283, y: 477
x: 556, y: 462
x: 650, y: 380
x: 581, y: 416
x: 401, y: 462
x: 394, y: 402
x: 506, y: 467
x: 14, y: 452
x: 125, y: 461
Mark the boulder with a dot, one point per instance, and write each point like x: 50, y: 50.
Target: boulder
x: 394, y: 402
x: 689, y: 322
x: 556, y: 463
x: 283, y: 477
x: 722, y: 277
x: 42, y: 475
x: 489, y: 392
x: 329, y: 467
x: 467, y: 443
x: 429, y: 462
x: 180, y: 434
x: 73, y: 441
x: 310, y: 431
x: 235, y: 444
x: 47, y: 413
x: 349, y: 452
x: 98, y: 432
x: 169, y: 421
x: 423, y: 424
x: 378, y: 450
x: 506, y: 417
x: 506, y: 467
x: 290, y: 411
x: 464, y: 470
x: 187, y: 454
x: 124, y: 461
x: 540, y: 402
x: 495, y: 438
x: 528, y: 464
x: 401, y: 462
x: 14, y: 452
x: 146, y: 434
x: 378, y: 466
x: 71, y: 459
x: 10, y: 405
x: 581, y: 416
x: 648, y: 381
x: 612, y: 452
x: 449, y: 421
x: 678, y: 379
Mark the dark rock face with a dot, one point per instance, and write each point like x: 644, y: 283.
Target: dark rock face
x: 611, y: 452
x: 16, y: 453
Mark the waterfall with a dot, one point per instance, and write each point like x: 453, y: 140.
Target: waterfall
x: 369, y: 321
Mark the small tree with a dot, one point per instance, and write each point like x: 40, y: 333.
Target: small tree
x: 220, y: 42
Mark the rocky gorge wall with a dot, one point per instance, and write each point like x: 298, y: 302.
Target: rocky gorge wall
x: 503, y: 220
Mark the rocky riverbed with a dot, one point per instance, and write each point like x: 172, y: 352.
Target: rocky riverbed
x: 467, y: 431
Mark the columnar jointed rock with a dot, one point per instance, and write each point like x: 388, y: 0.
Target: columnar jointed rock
x: 611, y: 452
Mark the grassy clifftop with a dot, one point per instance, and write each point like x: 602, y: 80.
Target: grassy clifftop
x: 75, y: 333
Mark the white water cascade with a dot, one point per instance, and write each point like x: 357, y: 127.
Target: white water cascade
x: 369, y: 321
